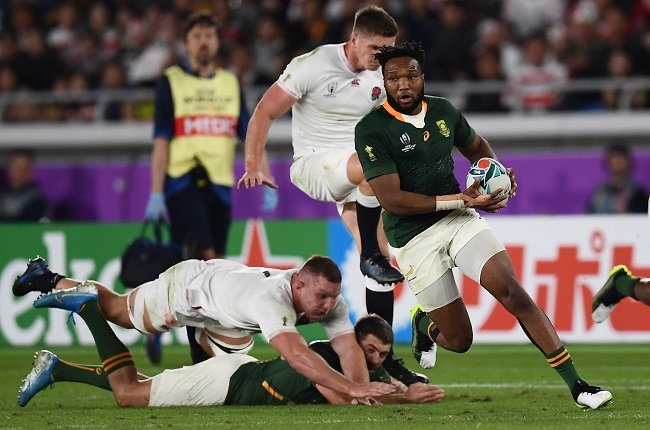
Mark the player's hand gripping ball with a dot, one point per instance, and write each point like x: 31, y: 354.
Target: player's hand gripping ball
x: 491, y: 174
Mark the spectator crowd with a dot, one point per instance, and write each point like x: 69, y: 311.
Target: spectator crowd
x: 532, y: 46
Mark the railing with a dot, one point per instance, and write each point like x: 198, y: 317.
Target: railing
x: 98, y: 133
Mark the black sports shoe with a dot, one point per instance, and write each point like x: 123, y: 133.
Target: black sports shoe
x: 608, y: 297
x: 589, y: 396
x: 153, y: 348
x: 395, y: 368
x: 25, y: 283
x: 378, y: 267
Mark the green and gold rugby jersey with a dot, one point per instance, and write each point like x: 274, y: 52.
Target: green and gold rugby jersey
x: 325, y: 350
x: 387, y: 144
x: 271, y: 382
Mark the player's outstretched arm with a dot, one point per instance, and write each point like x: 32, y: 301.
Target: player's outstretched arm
x: 353, y: 361
x: 415, y: 393
x: 294, y: 349
x: 275, y: 103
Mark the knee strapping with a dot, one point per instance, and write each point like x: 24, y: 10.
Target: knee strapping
x: 367, y: 201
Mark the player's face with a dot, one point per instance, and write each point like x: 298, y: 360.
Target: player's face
x: 404, y: 84
x: 202, y: 44
x: 365, y: 48
x: 318, y: 296
x: 375, y: 350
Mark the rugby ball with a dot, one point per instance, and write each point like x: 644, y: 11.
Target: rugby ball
x: 491, y: 174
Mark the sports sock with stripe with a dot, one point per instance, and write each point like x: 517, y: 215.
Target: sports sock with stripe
x: 561, y: 361
x: 87, y: 374
x: 113, y: 353
x: 428, y: 328
x: 625, y: 285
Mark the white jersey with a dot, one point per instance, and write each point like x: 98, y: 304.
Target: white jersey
x: 226, y: 294
x: 332, y: 98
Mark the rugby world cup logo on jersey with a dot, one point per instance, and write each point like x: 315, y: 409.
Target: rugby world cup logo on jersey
x: 406, y: 141
x: 331, y: 88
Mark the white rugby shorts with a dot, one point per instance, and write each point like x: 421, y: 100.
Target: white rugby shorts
x: 430, y: 255
x: 324, y: 176
x: 203, y: 384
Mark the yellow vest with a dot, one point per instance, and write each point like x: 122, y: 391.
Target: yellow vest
x: 206, y: 114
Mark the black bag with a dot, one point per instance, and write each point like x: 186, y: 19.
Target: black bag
x: 144, y: 258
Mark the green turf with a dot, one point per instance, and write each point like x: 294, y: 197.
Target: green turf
x: 490, y: 387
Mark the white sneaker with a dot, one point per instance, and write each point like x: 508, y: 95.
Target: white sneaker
x: 589, y: 396
x: 428, y: 358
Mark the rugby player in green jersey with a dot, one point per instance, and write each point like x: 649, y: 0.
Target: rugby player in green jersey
x: 405, y: 148
x: 232, y: 379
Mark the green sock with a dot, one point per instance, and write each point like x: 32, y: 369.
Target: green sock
x: 425, y: 325
x: 561, y: 361
x: 625, y: 285
x: 87, y: 374
x: 113, y: 353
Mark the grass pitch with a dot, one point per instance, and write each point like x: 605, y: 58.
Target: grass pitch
x: 489, y: 387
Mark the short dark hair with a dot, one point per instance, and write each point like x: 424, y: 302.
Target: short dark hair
x: 375, y: 325
x: 320, y: 265
x: 618, y: 148
x: 404, y: 49
x: 374, y: 21
x: 199, y: 18
x: 22, y: 152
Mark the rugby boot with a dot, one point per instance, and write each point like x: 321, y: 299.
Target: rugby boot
x: 378, y: 267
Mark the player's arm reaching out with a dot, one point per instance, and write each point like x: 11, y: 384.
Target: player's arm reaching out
x: 294, y: 349
x: 415, y: 393
x: 353, y: 361
x: 275, y: 103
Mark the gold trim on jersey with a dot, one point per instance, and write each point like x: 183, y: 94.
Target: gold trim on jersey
x: 271, y: 391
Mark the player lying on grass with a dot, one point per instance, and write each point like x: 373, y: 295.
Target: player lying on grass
x: 232, y: 379
x: 229, y: 302
x: 619, y: 285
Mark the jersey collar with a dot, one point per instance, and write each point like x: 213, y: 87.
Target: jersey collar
x: 188, y: 70
x: 398, y: 115
x: 345, y: 59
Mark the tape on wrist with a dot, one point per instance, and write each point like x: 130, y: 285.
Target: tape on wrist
x: 445, y: 205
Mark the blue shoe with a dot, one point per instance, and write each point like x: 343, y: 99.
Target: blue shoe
x: 153, y: 348
x: 25, y: 282
x: 39, y: 378
x: 70, y: 299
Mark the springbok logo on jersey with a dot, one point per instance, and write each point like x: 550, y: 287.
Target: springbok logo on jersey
x: 442, y: 126
x: 370, y: 154
x: 406, y: 140
x: 376, y: 92
x: 331, y: 87
x: 425, y: 136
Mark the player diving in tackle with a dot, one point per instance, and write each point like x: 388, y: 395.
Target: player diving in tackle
x: 231, y: 379
x: 228, y: 302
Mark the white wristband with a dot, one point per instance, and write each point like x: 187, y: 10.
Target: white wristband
x: 445, y: 205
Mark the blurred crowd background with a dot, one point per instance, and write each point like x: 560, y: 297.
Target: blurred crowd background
x: 527, y: 50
